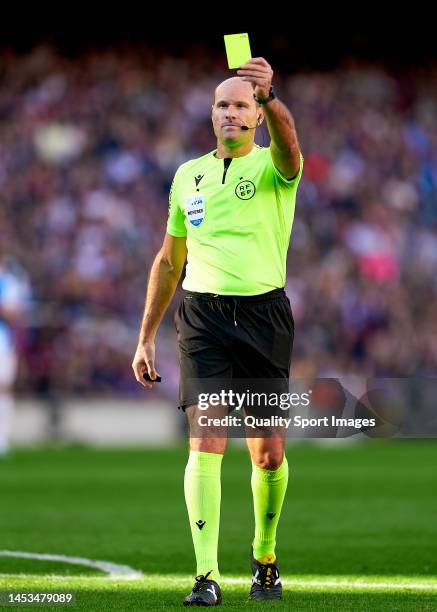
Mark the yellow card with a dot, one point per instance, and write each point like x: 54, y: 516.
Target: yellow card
x: 237, y: 49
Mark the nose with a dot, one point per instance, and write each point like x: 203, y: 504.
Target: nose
x: 230, y: 113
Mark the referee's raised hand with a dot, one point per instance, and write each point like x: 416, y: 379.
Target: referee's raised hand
x: 259, y: 73
x: 144, y: 361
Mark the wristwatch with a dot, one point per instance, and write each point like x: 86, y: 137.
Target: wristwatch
x: 271, y: 97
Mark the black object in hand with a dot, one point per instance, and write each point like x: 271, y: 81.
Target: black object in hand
x: 147, y: 377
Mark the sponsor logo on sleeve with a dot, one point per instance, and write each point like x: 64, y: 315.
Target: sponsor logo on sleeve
x: 195, y: 209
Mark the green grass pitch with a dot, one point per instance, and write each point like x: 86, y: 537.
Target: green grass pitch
x: 358, y: 530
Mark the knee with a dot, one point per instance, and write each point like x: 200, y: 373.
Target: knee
x: 269, y: 459
x: 208, y: 445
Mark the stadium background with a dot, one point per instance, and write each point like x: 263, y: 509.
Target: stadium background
x: 92, y: 129
x: 89, y: 148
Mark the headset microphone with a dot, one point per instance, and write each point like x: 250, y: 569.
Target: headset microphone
x: 247, y: 127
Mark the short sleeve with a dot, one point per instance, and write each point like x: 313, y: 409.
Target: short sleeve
x: 176, y: 220
x: 293, y: 182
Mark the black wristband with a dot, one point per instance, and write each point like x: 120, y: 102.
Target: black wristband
x: 271, y: 97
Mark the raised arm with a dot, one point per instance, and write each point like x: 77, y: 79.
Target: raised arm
x: 284, y: 145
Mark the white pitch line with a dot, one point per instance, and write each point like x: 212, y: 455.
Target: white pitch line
x: 126, y: 572
x: 113, y: 569
x: 308, y: 583
x: 358, y: 584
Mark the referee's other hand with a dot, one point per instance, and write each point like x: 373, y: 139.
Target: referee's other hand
x: 144, y: 361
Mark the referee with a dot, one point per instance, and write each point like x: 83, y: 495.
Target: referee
x: 230, y: 216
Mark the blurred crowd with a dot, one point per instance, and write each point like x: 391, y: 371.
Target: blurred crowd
x: 88, y: 149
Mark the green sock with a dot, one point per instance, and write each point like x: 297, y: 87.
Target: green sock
x: 202, y: 495
x: 268, y: 489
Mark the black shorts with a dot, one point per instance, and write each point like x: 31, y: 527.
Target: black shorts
x: 230, y: 338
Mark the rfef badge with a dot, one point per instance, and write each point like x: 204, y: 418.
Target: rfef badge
x: 195, y: 209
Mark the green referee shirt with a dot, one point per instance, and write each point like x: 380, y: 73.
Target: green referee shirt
x: 237, y: 216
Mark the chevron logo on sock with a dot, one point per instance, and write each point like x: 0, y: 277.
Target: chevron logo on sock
x: 271, y: 515
x: 200, y: 524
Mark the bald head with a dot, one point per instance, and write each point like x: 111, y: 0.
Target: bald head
x: 235, y: 88
x: 234, y: 106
